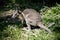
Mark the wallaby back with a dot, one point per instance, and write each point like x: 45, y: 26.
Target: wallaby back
x: 32, y: 14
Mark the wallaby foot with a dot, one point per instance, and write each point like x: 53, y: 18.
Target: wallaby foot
x: 44, y: 27
x: 24, y: 28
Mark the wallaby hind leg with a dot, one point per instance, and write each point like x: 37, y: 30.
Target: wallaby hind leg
x: 44, y: 27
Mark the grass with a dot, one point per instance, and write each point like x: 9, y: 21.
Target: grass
x: 15, y: 33
x: 10, y: 31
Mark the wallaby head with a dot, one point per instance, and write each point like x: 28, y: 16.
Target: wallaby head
x: 17, y: 14
x: 16, y: 10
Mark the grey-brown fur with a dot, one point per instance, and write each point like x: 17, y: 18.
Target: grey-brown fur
x: 32, y: 17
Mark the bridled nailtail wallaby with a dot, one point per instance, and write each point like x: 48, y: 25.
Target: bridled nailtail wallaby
x: 32, y: 17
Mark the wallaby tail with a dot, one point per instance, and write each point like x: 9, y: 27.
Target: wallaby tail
x: 44, y: 27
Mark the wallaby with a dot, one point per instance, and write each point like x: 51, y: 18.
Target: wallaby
x: 32, y: 17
